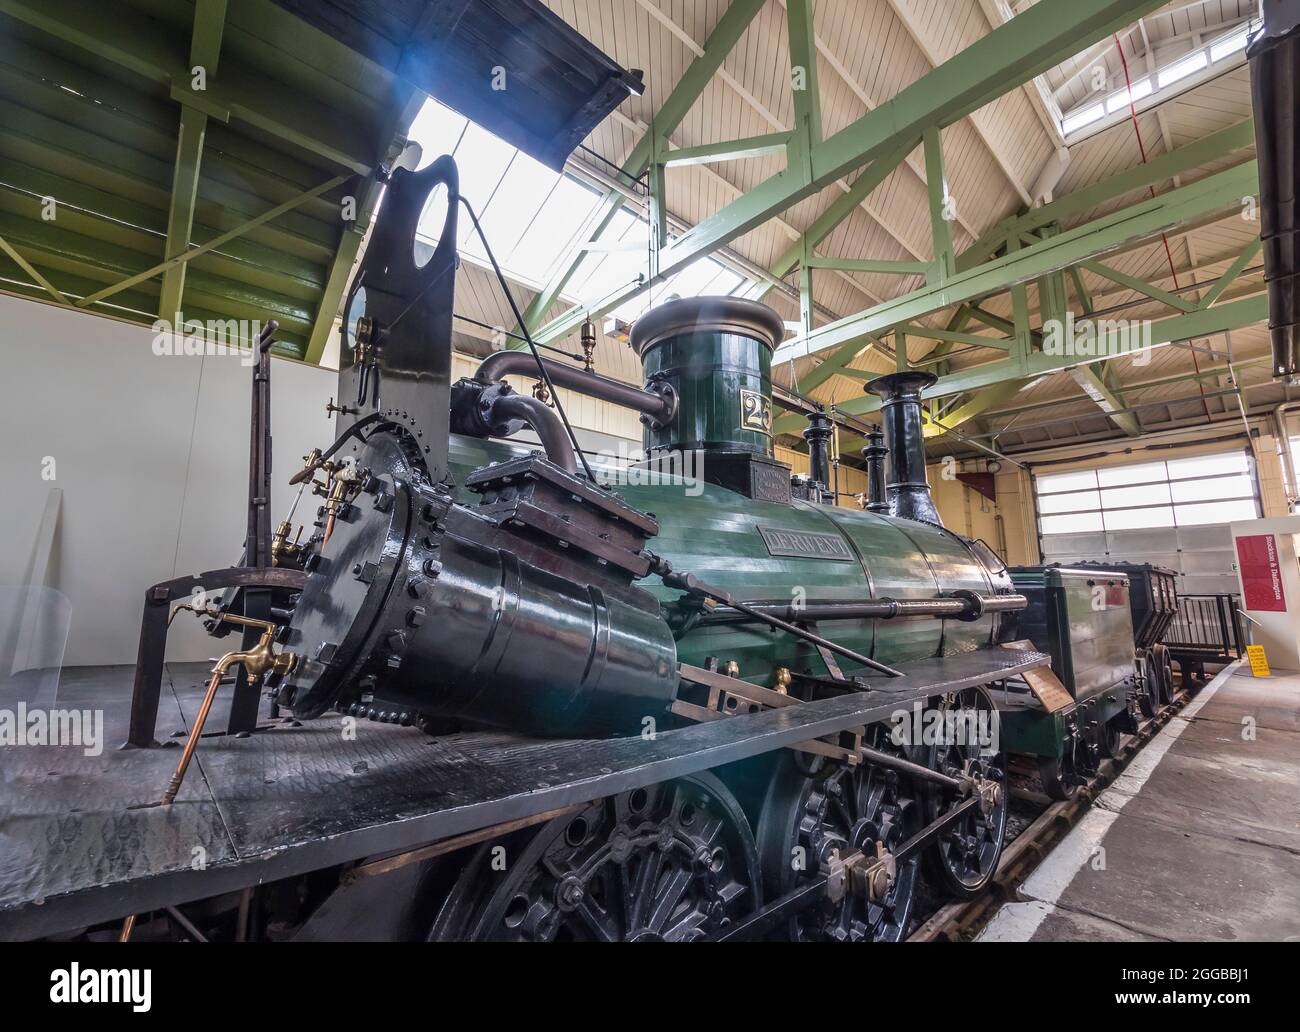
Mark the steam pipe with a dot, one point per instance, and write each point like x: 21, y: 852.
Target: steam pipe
x: 907, y: 489
x: 541, y: 420
x: 818, y: 434
x: 1274, y: 77
x: 500, y: 364
x: 875, y: 453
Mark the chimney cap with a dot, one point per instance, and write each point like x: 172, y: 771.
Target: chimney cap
x: 907, y: 382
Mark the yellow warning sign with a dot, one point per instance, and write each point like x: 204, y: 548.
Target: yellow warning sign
x: 1258, y: 661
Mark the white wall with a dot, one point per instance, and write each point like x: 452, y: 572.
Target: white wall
x: 151, y: 453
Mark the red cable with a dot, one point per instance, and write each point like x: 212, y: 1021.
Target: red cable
x: 1137, y: 131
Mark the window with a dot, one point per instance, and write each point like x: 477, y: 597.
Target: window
x: 1085, y: 117
x: 1229, y: 44
x: 532, y: 217
x: 1141, y: 496
x: 1120, y: 101
x: 1182, y: 69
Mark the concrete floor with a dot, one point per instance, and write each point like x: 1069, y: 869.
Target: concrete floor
x: 1198, y: 839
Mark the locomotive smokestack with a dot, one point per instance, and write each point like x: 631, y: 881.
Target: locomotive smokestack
x: 875, y: 453
x: 818, y: 434
x: 906, y: 487
x: 1274, y: 76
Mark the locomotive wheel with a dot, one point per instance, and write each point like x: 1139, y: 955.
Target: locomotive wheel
x: 671, y: 862
x: 1108, y: 738
x: 965, y: 857
x: 1148, y: 698
x: 1060, y: 773
x: 1165, y: 669
x: 843, y: 808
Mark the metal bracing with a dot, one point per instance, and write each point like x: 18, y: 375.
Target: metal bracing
x: 122, y: 36
x: 1213, y: 147
x: 215, y: 242
x: 205, y: 52
x: 1230, y: 315
x: 1094, y: 381
x: 1199, y: 201
x: 1002, y: 60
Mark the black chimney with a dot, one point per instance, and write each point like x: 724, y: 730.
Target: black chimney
x: 817, y: 434
x: 906, y: 487
x: 1275, y: 88
x: 875, y: 453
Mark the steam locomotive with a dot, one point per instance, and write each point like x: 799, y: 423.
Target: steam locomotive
x: 456, y: 581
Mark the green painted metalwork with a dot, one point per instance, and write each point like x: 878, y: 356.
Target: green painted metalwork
x: 1231, y: 273
x: 1229, y: 316
x: 1093, y: 381
x: 1201, y: 200
x: 728, y: 150
x: 1140, y: 285
x: 1007, y: 57
x: 205, y: 52
x: 1082, y: 201
x: 945, y: 258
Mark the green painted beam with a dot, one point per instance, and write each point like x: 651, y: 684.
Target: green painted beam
x: 205, y: 54
x: 1007, y: 57
x: 31, y: 271
x: 1229, y: 316
x: 729, y: 150
x: 719, y: 44
x: 876, y: 265
x: 1080, y: 202
x: 1198, y: 201
x: 1094, y: 385
x: 215, y: 242
x: 956, y: 337
x: 1231, y: 273
x: 803, y: 73
x: 1140, y: 285
x: 981, y: 402
x: 945, y: 258
x: 838, y: 210
x: 121, y: 35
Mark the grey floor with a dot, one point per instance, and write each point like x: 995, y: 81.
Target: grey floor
x: 1199, y: 838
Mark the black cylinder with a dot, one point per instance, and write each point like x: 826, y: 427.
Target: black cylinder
x: 875, y: 453
x: 906, y: 487
x: 1275, y: 89
x: 818, y: 435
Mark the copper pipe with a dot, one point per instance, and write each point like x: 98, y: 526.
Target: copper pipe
x: 174, y: 786
x: 128, y: 926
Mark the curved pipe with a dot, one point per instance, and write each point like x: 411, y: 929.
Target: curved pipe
x: 542, y: 421
x: 500, y: 364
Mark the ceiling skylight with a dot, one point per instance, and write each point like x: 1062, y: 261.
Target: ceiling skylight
x: 533, y: 217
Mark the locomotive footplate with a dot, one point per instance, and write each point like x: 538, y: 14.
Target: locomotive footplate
x: 299, y: 796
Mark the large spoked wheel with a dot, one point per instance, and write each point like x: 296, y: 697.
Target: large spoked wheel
x: 1148, y: 693
x: 846, y: 809
x: 671, y: 862
x: 965, y: 856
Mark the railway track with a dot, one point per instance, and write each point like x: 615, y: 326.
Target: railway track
x: 961, y: 921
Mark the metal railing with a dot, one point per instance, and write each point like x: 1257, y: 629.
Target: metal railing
x: 1207, y: 627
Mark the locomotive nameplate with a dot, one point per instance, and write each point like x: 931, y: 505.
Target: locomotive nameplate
x: 805, y: 544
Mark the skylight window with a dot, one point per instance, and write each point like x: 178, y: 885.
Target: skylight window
x: 1085, y: 117
x: 1120, y: 100
x: 1182, y: 69
x: 533, y: 216
x: 1229, y: 44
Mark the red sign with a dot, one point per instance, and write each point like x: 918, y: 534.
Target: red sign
x: 1261, y: 574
